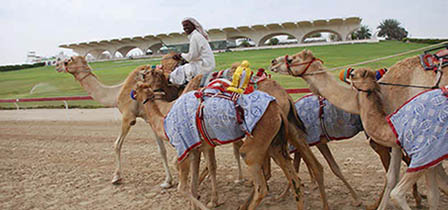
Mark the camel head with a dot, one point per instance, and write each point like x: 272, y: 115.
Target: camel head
x: 73, y: 65
x: 155, y: 78
x: 295, y: 65
x: 143, y: 92
x: 364, y: 80
x: 168, y: 63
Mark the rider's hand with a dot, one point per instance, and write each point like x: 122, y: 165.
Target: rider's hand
x: 177, y: 57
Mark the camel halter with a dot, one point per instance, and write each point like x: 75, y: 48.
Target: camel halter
x: 289, y: 64
x: 358, y: 89
x: 88, y: 71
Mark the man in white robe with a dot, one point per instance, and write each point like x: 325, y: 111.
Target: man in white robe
x: 200, y: 56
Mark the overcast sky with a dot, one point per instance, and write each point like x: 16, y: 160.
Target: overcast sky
x: 43, y: 25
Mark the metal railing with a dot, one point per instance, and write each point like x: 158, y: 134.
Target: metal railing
x: 80, y: 98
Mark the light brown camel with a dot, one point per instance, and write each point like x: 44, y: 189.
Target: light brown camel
x: 408, y: 71
x: 118, y: 96
x: 380, y: 127
x: 266, y: 138
x: 156, y: 81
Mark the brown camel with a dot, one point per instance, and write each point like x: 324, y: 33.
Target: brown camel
x: 384, y: 130
x: 118, y: 96
x: 265, y: 137
x: 408, y: 71
x: 156, y: 80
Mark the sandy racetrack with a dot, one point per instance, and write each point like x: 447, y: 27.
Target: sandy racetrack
x: 58, y: 159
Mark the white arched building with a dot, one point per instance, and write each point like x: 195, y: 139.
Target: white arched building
x: 219, y: 38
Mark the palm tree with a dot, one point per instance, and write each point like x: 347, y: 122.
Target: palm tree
x: 391, y: 29
x: 362, y: 33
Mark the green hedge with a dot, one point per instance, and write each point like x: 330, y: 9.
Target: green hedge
x: 424, y: 41
x: 20, y: 67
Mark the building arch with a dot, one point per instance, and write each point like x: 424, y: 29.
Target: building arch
x: 236, y: 41
x: 272, y: 35
x: 155, y: 48
x: 339, y: 37
x: 126, y: 49
x: 100, y: 53
x: 348, y: 36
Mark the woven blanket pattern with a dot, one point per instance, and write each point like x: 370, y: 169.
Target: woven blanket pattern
x: 421, y: 127
x: 219, y: 117
x: 338, y: 124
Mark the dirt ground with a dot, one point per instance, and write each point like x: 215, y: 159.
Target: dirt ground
x: 59, y: 159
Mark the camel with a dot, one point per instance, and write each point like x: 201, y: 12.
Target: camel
x: 317, y: 133
x: 407, y: 71
x: 156, y: 80
x: 266, y: 137
x: 419, y: 133
x: 118, y: 96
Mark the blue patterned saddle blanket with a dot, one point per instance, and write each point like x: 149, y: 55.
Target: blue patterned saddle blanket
x: 421, y: 127
x: 219, y: 119
x: 322, y: 119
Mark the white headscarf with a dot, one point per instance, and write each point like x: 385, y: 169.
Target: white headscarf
x: 197, y: 25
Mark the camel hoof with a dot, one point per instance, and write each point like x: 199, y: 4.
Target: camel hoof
x: 116, y: 180
x: 356, y: 203
x: 239, y: 181
x: 373, y: 206
x: 212, y: 204
x: 166, y: 185
x: 281, y: 196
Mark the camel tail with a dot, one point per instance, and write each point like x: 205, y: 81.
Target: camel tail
x: 293, y: 117
x: 280, y: 138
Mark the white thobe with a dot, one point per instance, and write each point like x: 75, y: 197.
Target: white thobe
x: 200, y: 60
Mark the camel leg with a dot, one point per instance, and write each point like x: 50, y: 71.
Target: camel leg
x: 254, y: 152
x: 398, y: 194
x: 296, y: 163
x: 211, y: 165
x: 195, y: 158
x: 298, y: 141
x: 283, y: 160
x: 184, y: 169
x: 442, y: 179
x: 433, y: 189
x: 168, y: 178
x: 384, y: 153
x: 127, y: 121
x: 392, y: 177
x: 236, y: 153
x: 325, y: 150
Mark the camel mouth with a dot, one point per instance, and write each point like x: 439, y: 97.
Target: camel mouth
x: 59, y: 69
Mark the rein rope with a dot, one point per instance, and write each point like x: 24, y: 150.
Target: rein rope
x: 376, y: 59
x: 320, y: 71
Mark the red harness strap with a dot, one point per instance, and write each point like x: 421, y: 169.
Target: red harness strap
x: 308, y: 64
x: 239, y: 111
x: 444, y: 91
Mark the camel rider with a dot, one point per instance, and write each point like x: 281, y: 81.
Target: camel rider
x: 200, y: 56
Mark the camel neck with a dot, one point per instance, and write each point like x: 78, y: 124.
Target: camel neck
x: 325, y: 85
x: 156, y: 112
x: 106, y: 95
x: 374, y: 120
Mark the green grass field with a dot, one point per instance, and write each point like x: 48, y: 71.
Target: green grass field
x: 46, y: 82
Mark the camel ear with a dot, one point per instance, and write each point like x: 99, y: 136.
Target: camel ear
x: 307, y: 54
x: 365, y: 73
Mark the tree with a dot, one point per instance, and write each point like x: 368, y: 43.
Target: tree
x: 391, y: 29
x: 273, y: 41
x: 245, y: 43
x: 362, y: 33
